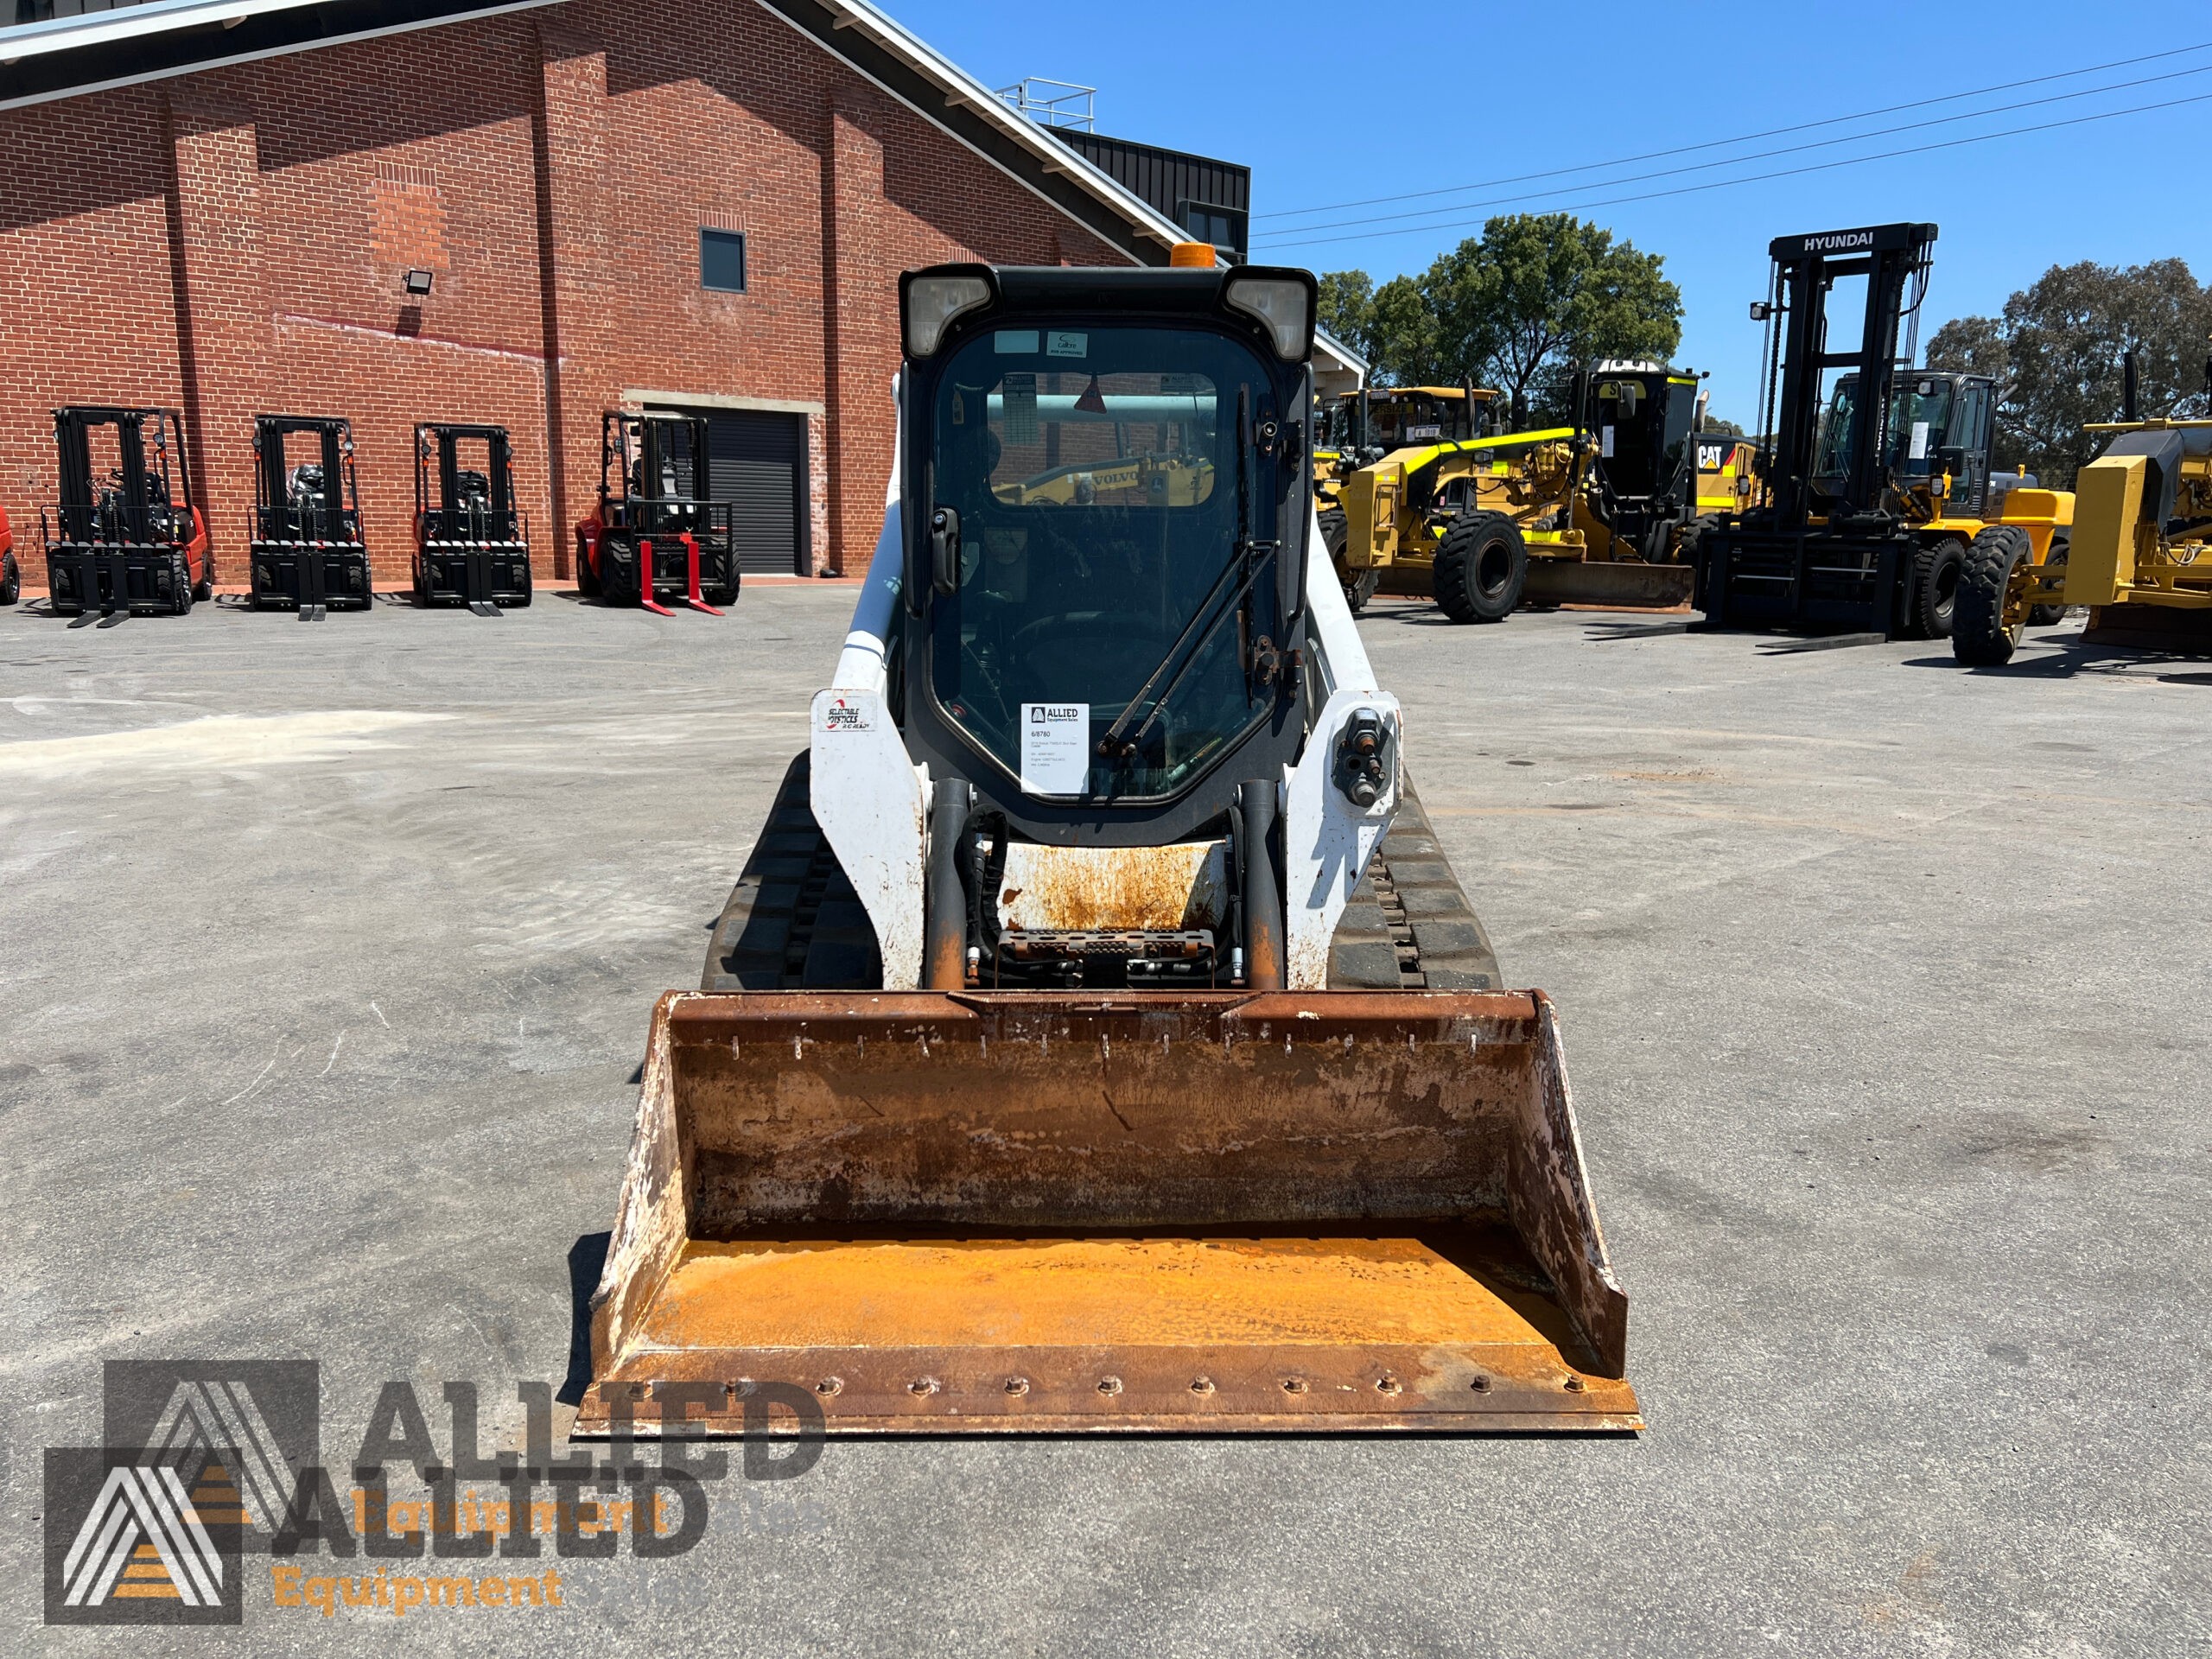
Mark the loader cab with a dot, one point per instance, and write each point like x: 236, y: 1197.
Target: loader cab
x: 1939, y: 428
x: 1105, y: 543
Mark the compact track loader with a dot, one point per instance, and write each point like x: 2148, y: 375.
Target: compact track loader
x: 1593, y: 512
x: 2140, y: 556
x: 307, y: 554
x: 125, y: 535
x: 472, y: 543
x: 655, y: 531
x: 1097, y: 1038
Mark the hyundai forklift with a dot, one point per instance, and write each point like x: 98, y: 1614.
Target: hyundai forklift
x: 1871, y: 485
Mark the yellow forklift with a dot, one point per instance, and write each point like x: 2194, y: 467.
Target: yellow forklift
x: 1592, y: 513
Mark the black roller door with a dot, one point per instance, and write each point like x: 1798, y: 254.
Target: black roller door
x: 758, y: 460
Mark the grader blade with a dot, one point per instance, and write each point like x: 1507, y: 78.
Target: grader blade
x: 1620, y: 584
x: 1208, y: 1211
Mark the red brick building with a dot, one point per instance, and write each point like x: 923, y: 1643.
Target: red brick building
x: 213, y: 205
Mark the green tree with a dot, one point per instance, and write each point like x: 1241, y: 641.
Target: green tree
x: 2055, y: 354
x: 1403, y: 336
x: 1346, y: 308
x: 1538, y: 295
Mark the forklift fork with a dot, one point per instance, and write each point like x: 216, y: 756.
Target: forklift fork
x: 478, y: 582
x: 313, y: 597
x: 694, y: 595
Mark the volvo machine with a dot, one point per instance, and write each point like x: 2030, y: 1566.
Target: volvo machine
x: 125, y: 535
x: 472, y: 543
x: 306, y: 554
x: 1590, y: 512
x: 1097, y: 1039
x: 1876, y: 481
x: 656, y: 534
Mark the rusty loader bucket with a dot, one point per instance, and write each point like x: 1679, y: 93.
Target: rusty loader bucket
x: 992, y: 1212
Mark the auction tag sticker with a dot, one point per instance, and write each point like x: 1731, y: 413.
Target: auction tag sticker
x: 1055, y: 748
x: 1060, y: 343
x: 1919, y: 441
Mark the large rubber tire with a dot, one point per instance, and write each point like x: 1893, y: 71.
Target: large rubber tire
x: 205, y: 587
x: 2050, y: 616
x: 12, y: 580
x: 180, y: 586
x: 1481, y: 567
x: 1931, y: 601
x: 1686, y: 549
x: 1982, y: 634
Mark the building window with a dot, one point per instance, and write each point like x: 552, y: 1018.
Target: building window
x: 1222, y: 226
x: 721, y: 261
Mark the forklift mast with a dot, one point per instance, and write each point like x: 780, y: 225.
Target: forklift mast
x: 329, y: 518
x: 141, y: 503
x: 1894, y: 259
x: 462, y: 514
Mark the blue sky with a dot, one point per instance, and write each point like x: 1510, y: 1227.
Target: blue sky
x: 1322, y: 102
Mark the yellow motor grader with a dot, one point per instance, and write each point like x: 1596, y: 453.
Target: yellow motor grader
x: 2140, y: 556
x: 1097, y: 1038
x: 1593, y: 512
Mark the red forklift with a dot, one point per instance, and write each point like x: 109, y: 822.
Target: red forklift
x: 132, y: 539
x: 11, y: 575
x: 472, y: 544
x: 307, y: 552
x: 655, y: 533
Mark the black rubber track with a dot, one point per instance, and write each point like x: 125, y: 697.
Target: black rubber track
x: 793, y: 922
x: 1979, y: 636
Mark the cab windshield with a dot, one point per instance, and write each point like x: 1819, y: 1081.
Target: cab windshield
x: 1919, y: 424
x: 1096, y: 475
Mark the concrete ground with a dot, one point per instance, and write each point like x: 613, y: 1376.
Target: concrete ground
x: 326, y: 956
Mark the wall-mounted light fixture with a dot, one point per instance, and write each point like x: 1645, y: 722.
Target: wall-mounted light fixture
x: 418, y: 281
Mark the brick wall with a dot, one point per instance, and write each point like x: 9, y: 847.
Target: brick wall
x: 235, y: 241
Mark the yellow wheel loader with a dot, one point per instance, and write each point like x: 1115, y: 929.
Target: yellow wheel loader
x: 2140, y: 556
x: 1595, y: 512
x: 1097, y: 1038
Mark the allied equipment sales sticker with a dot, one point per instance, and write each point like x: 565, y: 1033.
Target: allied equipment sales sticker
x: 1055, y: 748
